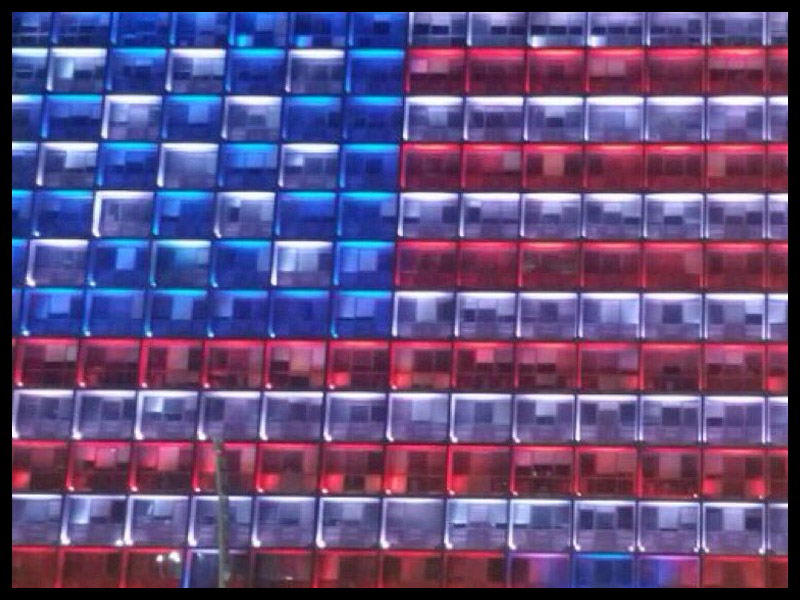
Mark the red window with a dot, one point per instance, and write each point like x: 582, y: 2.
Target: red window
x: 33, y: 568
x: 543, y: 471
x: 92, y: 568
x: 492, y: 167
x: 238, y: 467
x: 670, y: 472
x: 109, y: 363
x: 728, y: 572
x: 553, y: 167
x: 172, y: 364
x: 609, y: 367
x: 778, y: 167
x: 676, y: 70
x: 671, y: 368
x: 550, y: 266
x: 421, y: 366
x: 38, y: 466
x: 431, y: 167
x: 556, y: 71
x: 616, y: 70
x: 778, y: 267
x: 673, y: 266
x: 606, y: 471
x: 546, y: 367
x: 779, y: 474
x: 412, y: 570
x: 479, y: 471
x: 145, y: 569
x: 487, y: 265
x: 494, y: 71
x: 778, y: 365
x: 287, y: 569
x: 778, y: 569
x: 736, y: 71
x: 475, y: 571
x: 435, y: 71
x: 614, y: 167
x: 734, y: 368
x: 352, y: 469
x: 295, y: 365
x: 778, y: 76
x: 735, y: 267
x: 233, y: 365
x: 484, y: 366
x: 99, y: 467
x: 611, y: 266
x: 426, y: 265
x: 735, y: 168
x: 354, y: 570
x: 359, y: 365
x: 162, y: 468
x: 675, y: 167
x: 416, y: 470
x: 734, y: 474
x: 288, y: 468
x: 46, y: 363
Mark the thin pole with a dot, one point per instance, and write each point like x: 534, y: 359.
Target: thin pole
x: 223, y: 570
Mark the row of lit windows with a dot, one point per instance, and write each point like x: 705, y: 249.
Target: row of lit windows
x: 475, y: 167
x: 536, y: 526
x: 462, y: 470
x: 421, y: 71
x: 164, y: 568
x: 410, y: 315
x: 374, y: 215
x: 426, y: 118
x: 592, y: 367
x: 402, y: 417
x: 428, y: 265
x: 338, y: 29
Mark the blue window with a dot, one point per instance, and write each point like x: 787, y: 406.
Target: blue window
x: 241, y: 264
x: 167, y: 415
x: 30, y: 28
x: 140, y: 28
x: 184, y: 214
x: 23, y: 164
x: 306, y: 215
x: 57, y: 262
x: 378, y: 29
x: 245, y: 214
x: 310, y: 166
x: 285, y: 522
x: 367, y: 215
x: 26, y: 113
x: 188, y: 166
x: 132, y: 118
x: 203, y: 29
x: 249, y: 166
x: 35, y: 520
x: 105, y: 415
x: 127, y: 165
x: 373, y: 119
x: 21, y: 212
x: 239, y: 314
x: 181, y: 264
x: 230, y: 416
x: 196, y: 71
x: 178, y: 313
x: 375, y: 72
x: 137, y: 70
x: 158, y: 520
x: 63, y: 214
x: 123, y: 214
x: 438, y: 28
x: 16, y: 307
x: 252, y: 119
x: 76, y: 71
x: 28, y: 70
x: 192, y: 118
x: 68, y: 164
x: 300, y: 313
x: 603, y: 571
x: 316, y: 71
x: 119, y: 264
x: 72, y: 117
x: 260, y: 29
x: 293, y: 416
x: 319, y: 29
x: 364, y: 264
x: 498, y: 29
x: 81, y: 28
x: 313, y: 119
x: 43, y: 414
x: 362, y: 314
x: 256, y: 71
x: 54, y: 312
x: 370, y: 167
x: 115, y: 313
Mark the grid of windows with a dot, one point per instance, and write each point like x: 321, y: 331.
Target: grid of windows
x: 485, y: 299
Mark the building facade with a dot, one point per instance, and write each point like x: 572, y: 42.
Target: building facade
x: 488, y: 299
